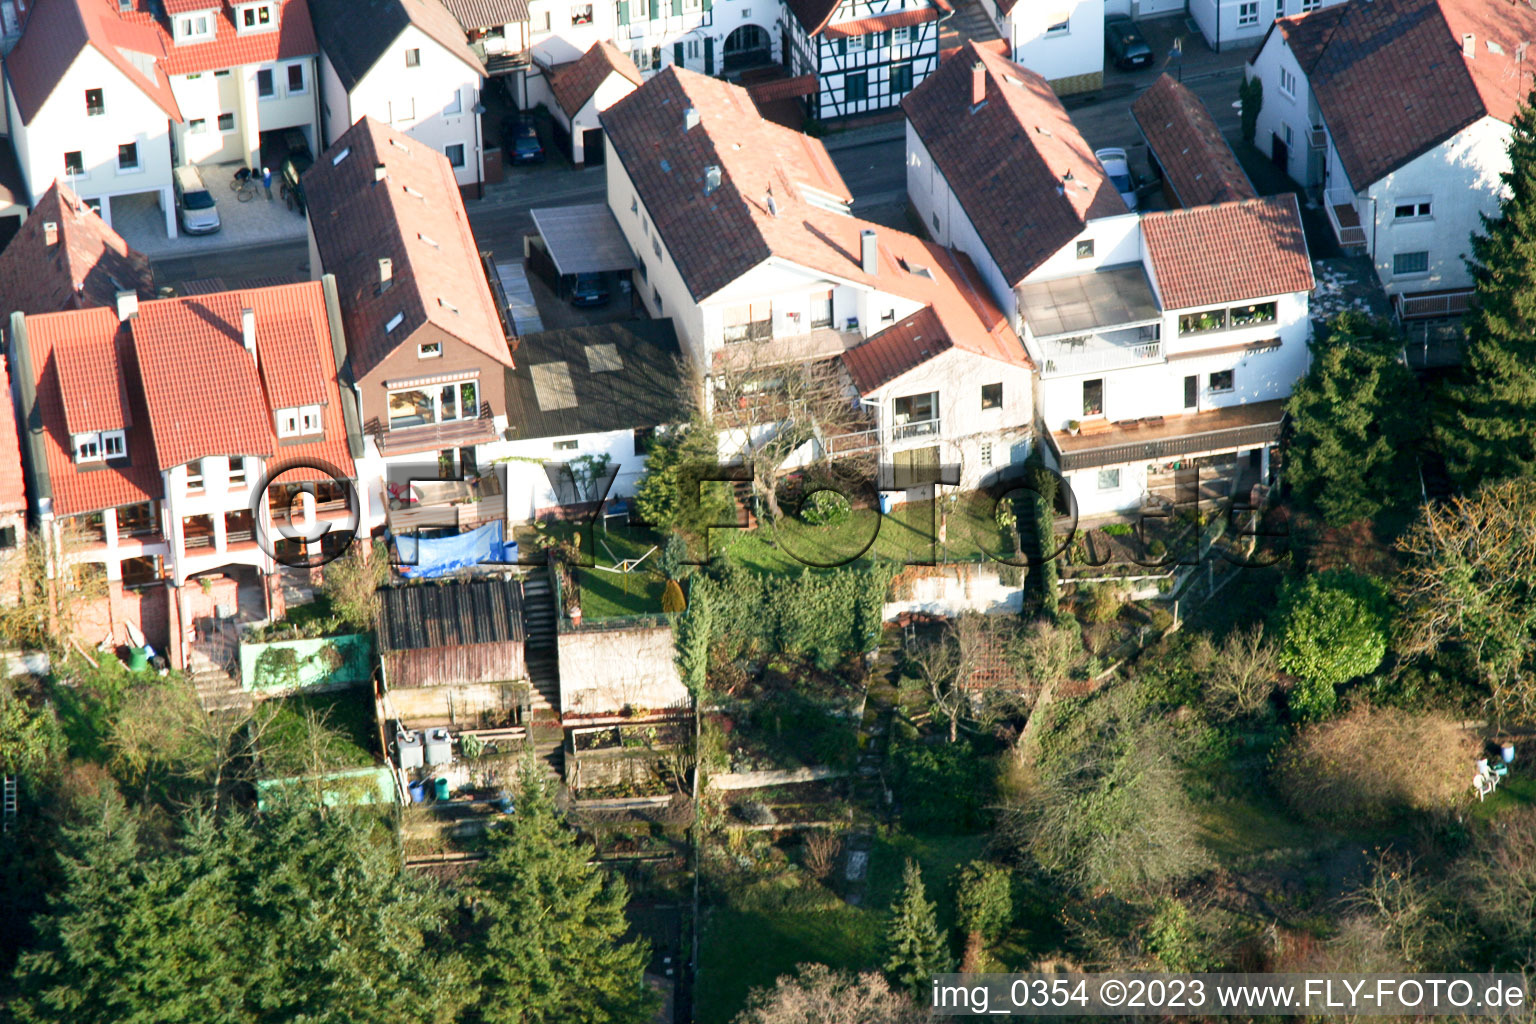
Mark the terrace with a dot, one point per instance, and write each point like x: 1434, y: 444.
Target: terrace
x: 1157, y: 437
x: 1091, y: 322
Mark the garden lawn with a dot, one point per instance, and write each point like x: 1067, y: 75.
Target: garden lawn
x: 606, y: 595
x: 749, y: 940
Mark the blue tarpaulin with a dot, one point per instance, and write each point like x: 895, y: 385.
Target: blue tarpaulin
x: 430, y: 557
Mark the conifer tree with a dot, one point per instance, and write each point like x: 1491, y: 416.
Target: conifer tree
x: 1354, y: 422
x: 1490, y: 430
x: 917, y: 949
x: 548, y: 947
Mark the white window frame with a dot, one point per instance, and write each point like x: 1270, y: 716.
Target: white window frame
x: 413, y: 56
x: 99, y: 445
x: 1310, y: 5
x: 855, y: 44
x: 253, y: 12
x: 436, y: 391
x: 1109, y: 479
x: 195, y: 475
x: 429, y: 350
x: 901, y: 35
x: 237, y: 478
x: 1279, y: 8
x: 1210, y: 382
x: 70, y: 175
x: 194, y: 26
x: 1060, y: 28
x: 457, y: 104
x: 138, y: 158
x: 1287, y: 83
x: 1248, y: 13
x: 1422, y: 206
x: 303, y: 89
x: 300, y: 421
x: 271, y: 73
x: 232, y: 126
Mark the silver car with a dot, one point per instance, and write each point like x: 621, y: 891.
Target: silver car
x: 1117, y: 166
x: 199, y: 212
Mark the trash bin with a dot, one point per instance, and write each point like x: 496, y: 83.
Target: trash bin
x: 138, y: 661
x: 885, y: 503
x: 418, y: 791
x: 441, y: 786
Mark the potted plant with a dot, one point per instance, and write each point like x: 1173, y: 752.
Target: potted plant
x: 1074, y: 427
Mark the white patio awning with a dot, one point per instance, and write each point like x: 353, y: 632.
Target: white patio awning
x: 583, y: 239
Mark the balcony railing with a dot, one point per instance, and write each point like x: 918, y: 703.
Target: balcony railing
x: 915, y: 428
x: 1068, y: 358
x: 449, y: 504
x: 1344, y: 215
x: 1317, y: 136
x: 1428, y: 305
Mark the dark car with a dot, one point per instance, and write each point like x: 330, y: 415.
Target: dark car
x: 1125, y: 44
x: 294, y: 166
x: 520, y: 141
x: 590, y: 290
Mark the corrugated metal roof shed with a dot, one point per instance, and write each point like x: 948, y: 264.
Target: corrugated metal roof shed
x: 485, y: 611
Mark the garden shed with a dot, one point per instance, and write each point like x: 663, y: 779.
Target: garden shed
x: 468, y: 631
x: 629, y: 671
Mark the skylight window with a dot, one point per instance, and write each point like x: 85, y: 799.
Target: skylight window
x: 394, y: 321
x: 339, y: 157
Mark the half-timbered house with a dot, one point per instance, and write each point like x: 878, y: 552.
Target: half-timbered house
x: 866, y: 54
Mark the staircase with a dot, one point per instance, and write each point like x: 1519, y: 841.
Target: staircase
x: 217, y: 690
x: 541, y: 654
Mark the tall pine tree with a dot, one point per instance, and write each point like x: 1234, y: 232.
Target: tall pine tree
x: 917, y: 948
x: 1354, y: 423
x: 548, y: 948
x: 1489, y: 432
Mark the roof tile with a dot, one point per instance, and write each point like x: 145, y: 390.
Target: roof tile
x: 575, y: 83
x: 87, y: 265
x: 1229, y: 252
x: 1196, y: 160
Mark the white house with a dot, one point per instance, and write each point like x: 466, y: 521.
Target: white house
x: 1398, y: 112
x: 1063, y: 42
x: 89, y: 102
x: 582, y: 407
x: 741, y: 234
x: 583, y: 90
x: 1234, y: 24
x: 407, y: 64
x: 865, y: 55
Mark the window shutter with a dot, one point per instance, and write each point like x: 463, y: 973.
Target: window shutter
x: 842, y: 47
x: 709, y: 50
x: 677, y: 54
x: 623, y: 12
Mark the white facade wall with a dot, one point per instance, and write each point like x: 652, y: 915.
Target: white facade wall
x: 206, y: 95
x: 562, y: 30
x: 527, y: 483
x: 589, y: 117
x: 61, y: 126
x: 1079, y: 50
x: 662, y: 288
x: 1285, y: 115
x: 653, y: 41
x: 1461, y: 180
x: 965, y: 427
x: 414, y: 100
x: 1233, y: 24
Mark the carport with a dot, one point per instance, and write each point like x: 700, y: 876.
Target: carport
x: 578, y: 240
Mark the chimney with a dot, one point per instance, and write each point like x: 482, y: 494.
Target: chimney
x: 868, y: 252
x: 127, y: 304
x: 690, y: 119
x: 386, y: 272
x: 978, y: 84
x: 379, y: 172
x: 50, y: 233
x: 1469, y: 46
x: 248, y: 330
x: 711, y: 178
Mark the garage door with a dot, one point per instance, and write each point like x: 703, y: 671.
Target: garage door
x: 592, y: 146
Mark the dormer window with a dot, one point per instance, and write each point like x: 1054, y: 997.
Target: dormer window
x: 100, y: 445
x: 194, y: 27
x: 255, y: 17
x: 300, y: 421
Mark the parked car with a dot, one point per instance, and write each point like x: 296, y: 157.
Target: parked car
x: 195, y: 205
x: 590, y: 290
x: 1126, y: 46
x: 294, y: 166
x: 294, y: 143
x: 520, y: 140
x: 1118, y: 166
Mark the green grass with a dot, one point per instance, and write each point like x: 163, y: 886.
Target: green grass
x: 348, y: 714
x: 1517, y: 790
x: 750, y: 939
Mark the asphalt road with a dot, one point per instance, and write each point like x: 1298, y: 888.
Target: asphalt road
x: 875, y: 173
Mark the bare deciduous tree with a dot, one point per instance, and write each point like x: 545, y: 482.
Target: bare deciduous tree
x: 816, y: 994
x: 1240, y: 673
x: 821, y: 852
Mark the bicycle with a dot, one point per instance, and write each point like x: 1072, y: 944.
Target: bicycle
x: 244, y: 185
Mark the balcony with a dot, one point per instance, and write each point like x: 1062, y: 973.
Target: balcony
x: 1317, y: 137
x: 1101, y: 320
x: 1092, y: 353
x: 1344, y: 215
x: 1158, y: 438
x: 434, y: 436
x: 1431, y: 305
x: 448, y: 504
x: 916, y: 428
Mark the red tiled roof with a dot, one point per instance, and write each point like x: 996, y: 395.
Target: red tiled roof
x: 1392, y: 83
x: 1006, y: 160
x: 91, y: 378
x: 87, y: 266
x: 477, y: 14
x: 714, y: 239
x: 575, y: 83
x: 13, y: 487
x: 782, y: 89
x: 57, y: 31
x: 358, y: 219
x: 288, y: 369
x: 1196, y: 160
x: 1228, y: 252
x: 881, y: 22
x: 101, y: 485
x: 294, y: 37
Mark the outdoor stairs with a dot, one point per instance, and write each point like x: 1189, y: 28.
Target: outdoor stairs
x: 217, y: 690
x: 541, y: 654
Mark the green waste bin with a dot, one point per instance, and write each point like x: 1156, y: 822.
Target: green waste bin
x: 138, y: 661
x: 441, y: 788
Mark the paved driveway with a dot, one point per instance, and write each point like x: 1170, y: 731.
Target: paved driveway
x: 256, y: 223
